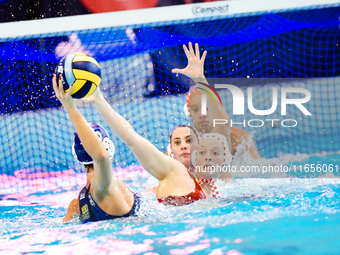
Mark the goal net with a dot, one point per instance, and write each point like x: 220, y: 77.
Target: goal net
x: 137, y: 51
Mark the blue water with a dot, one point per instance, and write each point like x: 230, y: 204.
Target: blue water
x: 254, y: 216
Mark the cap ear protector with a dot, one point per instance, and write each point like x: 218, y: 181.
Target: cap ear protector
x: 79, y: 151
x: 186, y: 107
x: 227, y: 157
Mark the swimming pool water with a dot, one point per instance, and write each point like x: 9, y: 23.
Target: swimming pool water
x: 254, y: 216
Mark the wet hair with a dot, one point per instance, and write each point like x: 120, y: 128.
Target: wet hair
x: 88, y: 167
x: 183, y: 125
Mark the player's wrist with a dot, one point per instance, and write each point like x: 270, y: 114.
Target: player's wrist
x: 70, y: 106
x: 99, y: 99
x: 200, y: 78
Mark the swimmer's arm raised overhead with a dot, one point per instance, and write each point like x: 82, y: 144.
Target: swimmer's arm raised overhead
x: 153, y: 160
x: 219, y: 112
x: 92, y: 144
x: 195, y: 71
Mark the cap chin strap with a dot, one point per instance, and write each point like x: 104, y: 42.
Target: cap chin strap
x: 109, y: 146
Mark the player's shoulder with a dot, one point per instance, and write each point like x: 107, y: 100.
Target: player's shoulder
x: 75, y: 202
x: 75, y: 205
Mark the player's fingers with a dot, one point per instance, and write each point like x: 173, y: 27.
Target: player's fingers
x: 69, y: 90
x: 186, y: 51
x: 54, y: 81
x: 197, y: 51
x: 191, y: 50
x: 55, y: 86
x: 176, y: 70
x: 203, y: 56
x: 61, y: 87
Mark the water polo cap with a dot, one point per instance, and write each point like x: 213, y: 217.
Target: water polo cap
x: 79, y: 151
x: 227, y: 157
x: 186, y: 107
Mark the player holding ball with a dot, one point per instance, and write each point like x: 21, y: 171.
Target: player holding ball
x: 104, y: 196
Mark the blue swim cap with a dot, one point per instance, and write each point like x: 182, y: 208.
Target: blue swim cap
x: 80, y: 153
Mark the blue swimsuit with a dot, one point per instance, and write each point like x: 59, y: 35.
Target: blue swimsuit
x: 90, y: 211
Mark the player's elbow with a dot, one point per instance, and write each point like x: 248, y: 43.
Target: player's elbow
x: 102, y: 156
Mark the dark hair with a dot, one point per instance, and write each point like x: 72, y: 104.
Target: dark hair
x: 88, y: 167
x: 183, y: 125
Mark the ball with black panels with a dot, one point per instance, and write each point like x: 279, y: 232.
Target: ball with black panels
x: 81, y: 70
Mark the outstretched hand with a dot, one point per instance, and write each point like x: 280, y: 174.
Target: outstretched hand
x: 64, y: 97
x: 195, y: 67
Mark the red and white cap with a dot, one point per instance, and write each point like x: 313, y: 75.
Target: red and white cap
x: 186, y: 107
x: 227, y: 157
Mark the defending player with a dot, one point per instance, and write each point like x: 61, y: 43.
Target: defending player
x: 204, y: 123
x: 176, y: 186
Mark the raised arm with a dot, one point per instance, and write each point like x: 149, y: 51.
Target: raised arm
x: 195, y: 71
x: 217, y: 111
x: 91, y: 142
x: 152, y: 160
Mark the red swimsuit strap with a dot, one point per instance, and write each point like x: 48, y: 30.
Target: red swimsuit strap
x: 193, y: 196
